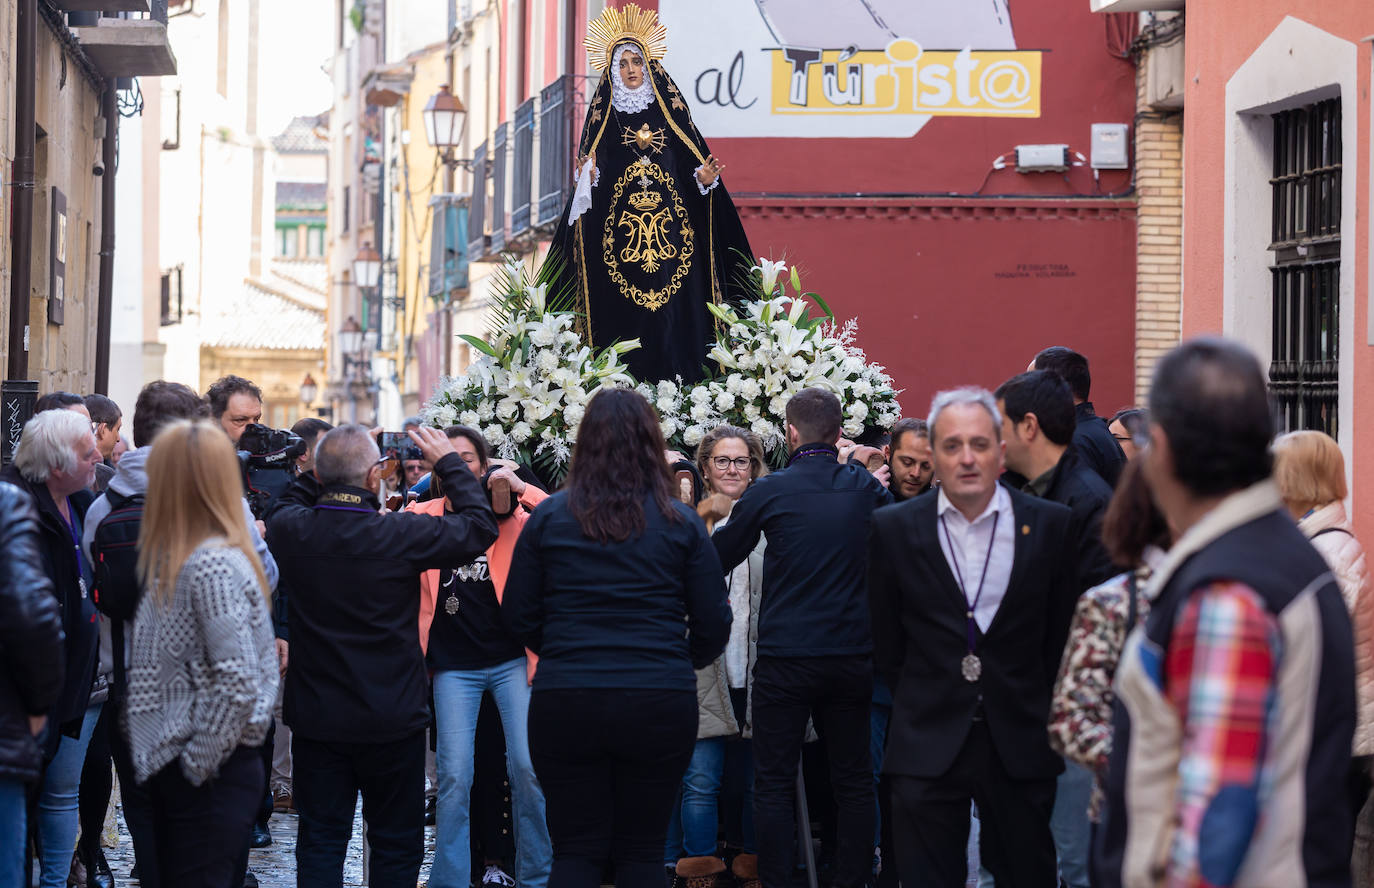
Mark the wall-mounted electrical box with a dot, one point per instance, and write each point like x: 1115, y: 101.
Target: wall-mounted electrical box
x: 1110, y: 148
x: 1042, y: 158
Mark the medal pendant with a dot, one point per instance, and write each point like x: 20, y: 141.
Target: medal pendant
x: 82, y: 582
x: 972, y: 667
x: 451, y: 605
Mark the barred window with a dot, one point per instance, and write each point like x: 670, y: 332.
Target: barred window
x: 1304, y: 367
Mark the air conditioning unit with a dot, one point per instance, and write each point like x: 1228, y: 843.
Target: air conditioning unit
x: 1164, y: 76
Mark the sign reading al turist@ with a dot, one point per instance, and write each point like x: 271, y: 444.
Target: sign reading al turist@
x: 852, y: 70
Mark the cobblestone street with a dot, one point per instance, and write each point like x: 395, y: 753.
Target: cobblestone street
x: 275, y: 865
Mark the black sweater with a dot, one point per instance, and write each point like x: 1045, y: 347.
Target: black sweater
x: 638, y: 614
x: 816, y: 515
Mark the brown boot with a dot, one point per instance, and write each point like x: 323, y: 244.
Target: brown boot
x: 700, y: 872
x: 746, y: 870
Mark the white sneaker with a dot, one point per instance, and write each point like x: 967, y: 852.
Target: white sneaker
x: 495, y: 877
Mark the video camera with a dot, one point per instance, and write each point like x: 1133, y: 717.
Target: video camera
x: 267, y: 456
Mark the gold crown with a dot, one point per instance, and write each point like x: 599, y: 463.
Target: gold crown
x: 645, y: 200
x: 615, y: 26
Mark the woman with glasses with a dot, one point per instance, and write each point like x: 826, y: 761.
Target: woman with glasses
x: 615, y: 585
x: 1129, y: 425
x: 729, y: 459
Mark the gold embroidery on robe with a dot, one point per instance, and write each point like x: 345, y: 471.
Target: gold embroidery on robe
x: 653, y: 232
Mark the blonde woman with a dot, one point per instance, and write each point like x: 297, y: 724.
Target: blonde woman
x: 203, y: 665
x: 1310, y: 471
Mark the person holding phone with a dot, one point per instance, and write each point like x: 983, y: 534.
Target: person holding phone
x: 471, y: 652
x: 356, y: 691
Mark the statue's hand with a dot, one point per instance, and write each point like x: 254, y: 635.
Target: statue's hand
x: 709, y: 171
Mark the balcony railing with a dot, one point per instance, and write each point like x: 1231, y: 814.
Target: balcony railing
x: 477, y: 207
x: 557, y: 104
x: 522, y: 159
x: 499, y: 155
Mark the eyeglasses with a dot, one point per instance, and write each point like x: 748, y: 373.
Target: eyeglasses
x: 1124, y: 437
x: 741, y: 463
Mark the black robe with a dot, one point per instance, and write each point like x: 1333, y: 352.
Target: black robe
x: 651, y: 252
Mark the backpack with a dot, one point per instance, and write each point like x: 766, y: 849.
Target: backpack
x: 114, y: 551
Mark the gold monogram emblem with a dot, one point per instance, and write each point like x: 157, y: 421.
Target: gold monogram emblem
x: 654, y: 231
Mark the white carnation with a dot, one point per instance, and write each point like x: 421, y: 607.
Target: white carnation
x: 667, y: 389
x: 547, y: 361
x: 572, y: 415
x: 853, y: 428
x: 520, y: 432
x: 669, y: 427
x: 468, y: 418
x: 494, y: 434
x: 777, y: 405
x: 752, y: 412
x: 700, y: 412
x: 506, y: 410
x: 797, y: 366
x: 734, y: 383
x: 692, y: 435
x: 485, y: 411
x: 858, y: 411
x: 445, y: 415
x: 699, y: 394
x: 725, y: 401
x: 763, y: 428
x: 665, y: 404
x: 750, y: 389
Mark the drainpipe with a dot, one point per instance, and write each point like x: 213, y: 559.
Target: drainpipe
x: 17, y: 392
x: 21, y: 246
x: 110, y: 111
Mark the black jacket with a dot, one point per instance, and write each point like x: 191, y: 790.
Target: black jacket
x: 920, y: 639
x: 1098, y: 449
x: 1087, y: 495
x: 30, y: 637
x: 638, y: 614
x: 815, y: 515
x: 58, y: 557
x: 357, y: 674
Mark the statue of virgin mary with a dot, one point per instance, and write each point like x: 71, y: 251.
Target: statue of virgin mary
x: 650, y: 235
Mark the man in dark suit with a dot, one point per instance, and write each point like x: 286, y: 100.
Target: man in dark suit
x: 1092, y: 438
x: 968, y: 627
x: 1038, y: 427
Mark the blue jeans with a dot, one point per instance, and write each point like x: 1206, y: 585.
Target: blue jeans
x: 1069, y: 823
x: 457, y: 700
x: 13, y: 831
x: 878, y: 718
x: 58, y: 817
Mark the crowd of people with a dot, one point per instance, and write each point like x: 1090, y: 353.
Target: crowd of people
x: 1011, y: 641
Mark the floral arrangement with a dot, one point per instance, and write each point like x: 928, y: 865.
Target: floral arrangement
x: 530, y: 384
x: 529, y: 387
x: 768, y: 350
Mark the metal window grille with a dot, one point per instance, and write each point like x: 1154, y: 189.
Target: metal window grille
x: 499, y: 158
x: 522, y: 178
x: 1306, y: 189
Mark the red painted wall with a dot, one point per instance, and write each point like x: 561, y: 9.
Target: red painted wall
x: 1220, y: 37
x: 951, y: 288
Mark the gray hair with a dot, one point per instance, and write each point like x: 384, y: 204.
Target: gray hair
x: 49, y: 443
x: 345, y: 455
x: 966, y: 395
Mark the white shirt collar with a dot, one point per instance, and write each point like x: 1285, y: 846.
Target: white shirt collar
x: 1000, y: 502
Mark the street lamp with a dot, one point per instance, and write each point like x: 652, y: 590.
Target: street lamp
x: 309, y: 389
x: 367, y: 266
x: 350, y: 339
x: 444, y: 118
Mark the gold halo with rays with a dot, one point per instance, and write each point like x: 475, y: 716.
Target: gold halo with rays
x: 615, y: 26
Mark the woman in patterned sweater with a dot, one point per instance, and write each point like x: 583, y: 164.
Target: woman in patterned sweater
x: 203, y: 666
x: 1135, y: 534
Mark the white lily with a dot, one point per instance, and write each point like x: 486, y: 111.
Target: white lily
x: 770, y: 271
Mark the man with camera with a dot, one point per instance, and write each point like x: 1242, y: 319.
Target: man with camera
x: 356, y: 690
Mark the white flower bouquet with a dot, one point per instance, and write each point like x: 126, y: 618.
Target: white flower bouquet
x: 530, y: 384
x: 770, y: 349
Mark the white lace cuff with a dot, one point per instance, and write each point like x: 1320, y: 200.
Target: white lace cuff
x: 704, y: 189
